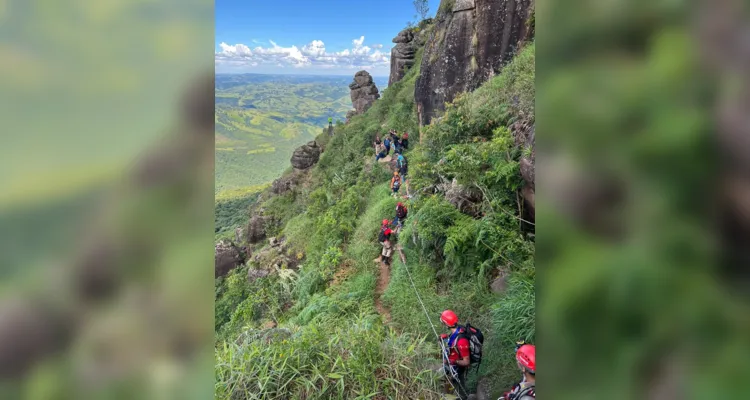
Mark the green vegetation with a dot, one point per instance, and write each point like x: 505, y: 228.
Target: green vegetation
x: 328, y: 340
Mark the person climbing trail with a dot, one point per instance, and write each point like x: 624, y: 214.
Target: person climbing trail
x: 395, y: 183
x: 385, y: 225
x: 384, y: 237
x: 526, y: 361
x: 396, y: 142
x: 387, y: 144
x: 330, y: 122
x: 458, y: 359
x: 403, y: 168
x: 405, y: 141
x: 379, y: 151
x: 401, y: 213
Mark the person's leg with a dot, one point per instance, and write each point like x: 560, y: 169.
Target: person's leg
x: 463, y: 391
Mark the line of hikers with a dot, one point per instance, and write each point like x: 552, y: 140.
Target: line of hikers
x: 463, y: 348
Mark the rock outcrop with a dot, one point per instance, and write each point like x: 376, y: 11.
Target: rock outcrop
x: 256, y: 229
x: 470, y: 42
x: 287, y: 183
x: 363, y: 92
x: 402, y: 55
x: 227, y: 256
x: 306, y: 156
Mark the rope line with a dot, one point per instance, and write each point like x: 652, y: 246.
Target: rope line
x: 454, y: 373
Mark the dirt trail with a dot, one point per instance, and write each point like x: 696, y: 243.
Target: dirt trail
x: 384, y: 277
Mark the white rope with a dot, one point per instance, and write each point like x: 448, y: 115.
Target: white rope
x: 454, y: 373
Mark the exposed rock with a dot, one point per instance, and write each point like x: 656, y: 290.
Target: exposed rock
x: 468, y: 44
x: 227, y: 257
x: 465, y: 199
x: 256, y: 229
x: 255, y: 274
x: 306, y: 156
x: 500, y: 284
x: 363, y: 92
x: 239, y: 235
x: 350, y: 114
x: 274, y: 242
x: 402, y: 55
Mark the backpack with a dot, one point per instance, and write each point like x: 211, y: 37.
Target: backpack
x: 476, y: 340
x: 381, y: 236
x: 402, y: 163
x: 397, y: 182
x: 401, y: 212
x: 528, y: 391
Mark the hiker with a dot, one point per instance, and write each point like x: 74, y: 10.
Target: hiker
x: 458, y: 359
x: 405, y: 141
x: 396, y: 142
x: 384, y: 237
x: 387, y: 144
x: 330, y: 122
x: 379, y: 151
x: 395, y: 183
x: 403, y: 168
x: 526, y: 361
x: 401, y: 212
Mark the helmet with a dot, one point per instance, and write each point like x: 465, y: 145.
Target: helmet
x: 385, y: 222
x: 449, y: 318
x: 395, y: 173
x: 526, y: 356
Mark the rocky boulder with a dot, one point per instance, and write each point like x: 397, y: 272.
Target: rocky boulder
x: 256, y: 229
x: 470, y: 42
x: 363, y: 92
x: 306, y: 156
x: 227, y: 257
x: 402, y: 55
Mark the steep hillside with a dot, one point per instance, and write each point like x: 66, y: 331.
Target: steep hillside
x: 309, y: 316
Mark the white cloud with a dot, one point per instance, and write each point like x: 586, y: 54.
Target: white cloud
x: 312, y: 55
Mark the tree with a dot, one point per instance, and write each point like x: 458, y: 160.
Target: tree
x: 422, y: 9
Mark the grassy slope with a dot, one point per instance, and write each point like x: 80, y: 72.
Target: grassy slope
x: 338, y: 346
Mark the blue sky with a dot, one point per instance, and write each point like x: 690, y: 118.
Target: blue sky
x: 326, y: 37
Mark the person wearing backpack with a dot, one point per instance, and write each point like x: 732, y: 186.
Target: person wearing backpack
x: 387, y: 144
x: 526, y: 361
x: 396, y: 142
x: 385, y: 240
x: 382, y: 237
x: 395, y: 183
x: 458, y: 359
x: 401, y: 213
x: 405, y: 141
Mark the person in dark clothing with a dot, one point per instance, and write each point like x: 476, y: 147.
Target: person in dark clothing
x: 401, y: 213
x: 396, y: 142
x: 405, y: 141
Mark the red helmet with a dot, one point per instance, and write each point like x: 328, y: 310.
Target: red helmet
x: 449, y: 318
x: 526, y: 356
x: 385, y: 222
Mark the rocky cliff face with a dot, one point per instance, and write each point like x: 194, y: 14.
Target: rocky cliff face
x: 363, y: 92
x: 306, y: 156
x: 402, y: 55
x: 470, y: 42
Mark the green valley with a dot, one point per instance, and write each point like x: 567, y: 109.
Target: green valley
x: 261, y: 119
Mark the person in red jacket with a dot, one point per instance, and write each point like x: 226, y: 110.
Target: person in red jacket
x: 458, y: 359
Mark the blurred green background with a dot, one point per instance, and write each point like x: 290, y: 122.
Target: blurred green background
x: 638, y: 108
x: 106, y: 201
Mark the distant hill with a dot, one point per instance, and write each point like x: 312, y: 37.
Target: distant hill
x: 261, y: 119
